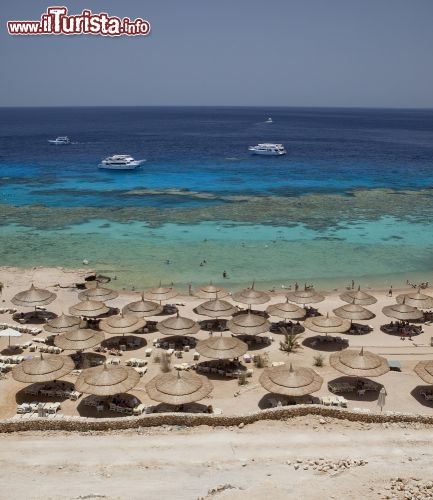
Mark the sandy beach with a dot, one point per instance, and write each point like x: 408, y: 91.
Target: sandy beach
x: 205, y: 462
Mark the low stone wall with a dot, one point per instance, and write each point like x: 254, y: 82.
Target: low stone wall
x: 193, y: 420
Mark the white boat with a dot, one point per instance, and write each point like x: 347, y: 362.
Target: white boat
x: 120, y: 162
x: 60, y: 140
x: 269, y: 120
x: 268, y: 149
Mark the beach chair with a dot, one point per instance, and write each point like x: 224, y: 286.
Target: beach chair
x: 325, y: 400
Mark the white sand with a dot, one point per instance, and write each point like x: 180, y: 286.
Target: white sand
x: 172, y: 463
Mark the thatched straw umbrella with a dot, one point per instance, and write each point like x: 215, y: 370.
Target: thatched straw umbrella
x: 327, y: 324
x: 358, y: 297
x: 62, y: 324
x: 177, y: 325
x: 89, y: 309
x: 98, y: 293
x: 424, y: 370
x: 305, y: 296
x: 220, y: 347
x: 143, y: 308
x: 359, y: 363
x: 33, y: 297
x: 251, y: 296
x: 402, y: 312
x: 160, y: 293
x: 290, y: 381
x: 210, y: 292
x: 418, y: 300
x: 354, y: 312
x: 43, y: 369
x: 216, y: 308
x: 107, y: 380
x: 286, y: 310
x: 119, y: 325
x: 178, y: 388
x: 248, y: 324
x: 78, y: 340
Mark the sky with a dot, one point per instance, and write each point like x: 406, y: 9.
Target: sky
x: 331, y: 53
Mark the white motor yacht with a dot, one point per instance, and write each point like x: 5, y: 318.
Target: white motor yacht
x: 60, y: 140
x: 268, y: 149
x: 120, y: 162
x: 269, y: 120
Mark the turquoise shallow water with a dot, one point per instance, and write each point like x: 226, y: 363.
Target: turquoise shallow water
x: 374, y: 253
x: 352, y: 199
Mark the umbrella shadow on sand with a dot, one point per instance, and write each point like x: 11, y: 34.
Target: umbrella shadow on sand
x: 254, y: 342
x: 33, y: 317
x: 24, y: 396
x: 131, y: 342
x: 319, y: 344
x: 184, y: 408
x: 11, y: 351
x: 179, y: 341
x: 85, y: 410
x: 370, y: 395
x: 272, y: 400
x: 416, y: 393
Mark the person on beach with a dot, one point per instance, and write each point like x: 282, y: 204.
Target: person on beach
x: 390, y: 291
x: 353, y: 284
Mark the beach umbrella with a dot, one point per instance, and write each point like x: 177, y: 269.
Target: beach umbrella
x: 160, y: 293
x: 402, y: 312
x: 143, y: 308
x: 358, y: 297
x: 220, y: 347
x: 43, y: 368
x: 286, y: 310
x: 89, y: 309
x: 359, y: 363
x: 305, y: 296
x: 248, y: 324
x: 33, y: 297
x: 290, y: 381
x: 418, y: 300
x: 381, y: 398
x: 98, y: 293
x: 211, y: 292
x: 424, y: 370
x: 122, y: 324
x: 216, y: 308
x: 251, y: 296
x: 354, y: 312
x: 78, y: 340
x: 178, y: 388
x: 107, y: 380
x: 178, y: 325
x: 63, y: 323
x: 327, y: 324
x: 10, y: 332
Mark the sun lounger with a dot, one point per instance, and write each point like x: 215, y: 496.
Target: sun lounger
x: 140, y: 370
x: 326, y: 400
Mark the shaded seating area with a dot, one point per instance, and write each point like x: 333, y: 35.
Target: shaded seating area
x: 326, y: 343
x: 176, y: 342
x: 87, y: 359
x: 402, y: 328
x: 119, y: 404
x: 56, y: 389
x: 290, y: 326
x: 223, y: 368
x: 254, y: 341
x: 124, y: 342
x: 351, y: 385
x: 359, y: 329
x: 424, y: 395
x: 37, y: 317
x: 213, y: 325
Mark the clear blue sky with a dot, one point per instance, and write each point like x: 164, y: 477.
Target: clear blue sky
x: 368, y: 53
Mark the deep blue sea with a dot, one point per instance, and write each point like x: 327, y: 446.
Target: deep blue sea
x: 202, y: 195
